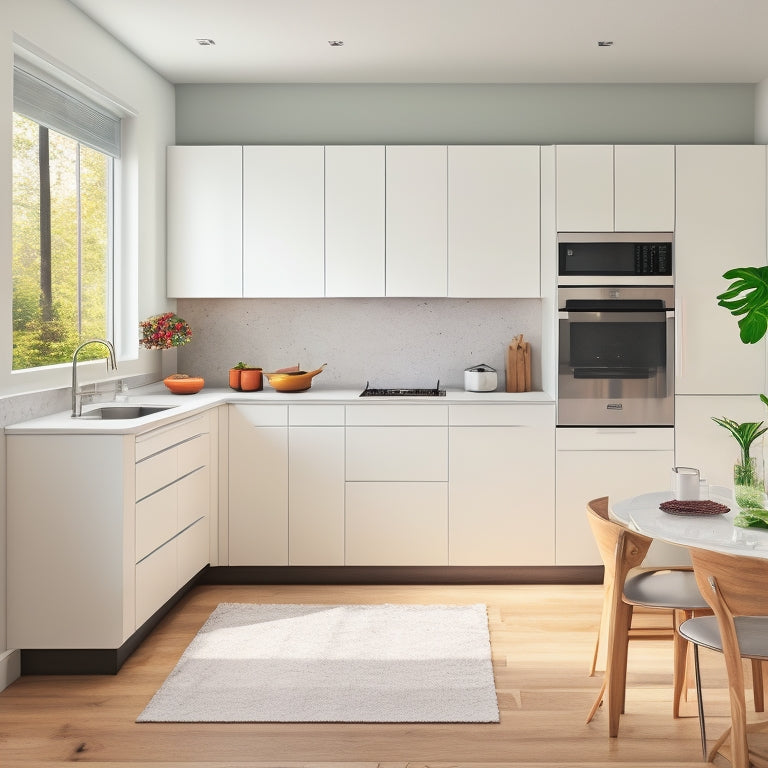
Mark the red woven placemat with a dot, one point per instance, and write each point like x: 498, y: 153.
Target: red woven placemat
x: 696, y: 507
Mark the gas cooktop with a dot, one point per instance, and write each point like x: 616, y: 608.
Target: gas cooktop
x: 402, y: 392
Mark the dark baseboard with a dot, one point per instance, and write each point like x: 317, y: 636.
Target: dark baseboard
x: 351, y: 574
x: 107, y: 661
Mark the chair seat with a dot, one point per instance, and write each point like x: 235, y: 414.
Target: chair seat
x: 665, y: 589
x: 752, y: 632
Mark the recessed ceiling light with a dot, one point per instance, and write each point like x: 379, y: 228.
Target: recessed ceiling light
x: 205, y: 41
x: 605, y: 43
x: 335, y: 43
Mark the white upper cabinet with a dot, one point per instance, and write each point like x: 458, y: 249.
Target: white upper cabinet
x: 283, y: 227
x: 205, y: 222
x: 644, y: 193
x: 584, y: 188
x: 493, y: 221
x: 626, y: 188
x: 354, y: 221
x: 721, y: 224
x: 417, y: 226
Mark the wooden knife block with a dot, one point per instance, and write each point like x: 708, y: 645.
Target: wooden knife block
x: 519, y: 365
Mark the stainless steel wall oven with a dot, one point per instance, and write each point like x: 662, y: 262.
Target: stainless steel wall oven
x: 616, y: 340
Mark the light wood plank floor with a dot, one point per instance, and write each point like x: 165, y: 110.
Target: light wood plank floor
x: 542, y: 639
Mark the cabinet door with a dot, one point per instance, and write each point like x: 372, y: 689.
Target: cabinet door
x: 283, y: 230
x: 205, y: 222
x: 396, y: 524
x: 644, y: 194
x: 354, y: 221
x: 721, y: 220
x: 584, y: 188
x: 617, y: 463
x: 316, y: 496
x: 258, y: 485
x: 501, y: 496
x: 417, y: 220
x: 493, y: 221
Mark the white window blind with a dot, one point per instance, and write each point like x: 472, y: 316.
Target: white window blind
x: 41, y: 98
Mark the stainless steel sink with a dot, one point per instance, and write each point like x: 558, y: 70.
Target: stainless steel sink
x: 125, y: 411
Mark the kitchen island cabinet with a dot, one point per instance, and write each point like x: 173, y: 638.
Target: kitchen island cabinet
x: 103, y: 532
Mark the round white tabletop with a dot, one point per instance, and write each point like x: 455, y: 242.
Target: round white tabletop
x: 642, y: 514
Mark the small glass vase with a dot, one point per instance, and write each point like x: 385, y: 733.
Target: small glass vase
x: 749, y: 483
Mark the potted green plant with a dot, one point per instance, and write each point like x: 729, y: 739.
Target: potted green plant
x: 243, y: 377
x: 748, y: 481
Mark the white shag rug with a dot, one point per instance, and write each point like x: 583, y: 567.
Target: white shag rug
x: 333, y: 663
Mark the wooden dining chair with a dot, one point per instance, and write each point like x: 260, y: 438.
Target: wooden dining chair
x: 735, y: 588
x: 621, y: 550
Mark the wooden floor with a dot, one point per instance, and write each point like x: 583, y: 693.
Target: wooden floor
x: 542, y: 639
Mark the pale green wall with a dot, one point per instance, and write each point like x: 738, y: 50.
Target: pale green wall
x: 423, y: 114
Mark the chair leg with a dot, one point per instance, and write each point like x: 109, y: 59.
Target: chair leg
x: 700, y: 700
x: 598, y: 700
x: 757, y: 685
x: 680, y: 656
x: 617, y: 665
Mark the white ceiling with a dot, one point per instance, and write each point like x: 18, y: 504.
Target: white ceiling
x: 444, y: 41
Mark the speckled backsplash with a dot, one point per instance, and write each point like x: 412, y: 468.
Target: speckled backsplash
x: 389, y: 342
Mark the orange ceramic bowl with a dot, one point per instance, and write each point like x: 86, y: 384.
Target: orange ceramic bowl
x: 181, y: 384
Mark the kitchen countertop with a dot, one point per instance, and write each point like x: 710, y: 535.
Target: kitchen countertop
x: 187, y: 405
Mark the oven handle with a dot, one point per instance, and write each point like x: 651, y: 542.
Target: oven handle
x: 585, y: 316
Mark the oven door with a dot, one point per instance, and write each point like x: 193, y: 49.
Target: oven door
x: 616, y: 368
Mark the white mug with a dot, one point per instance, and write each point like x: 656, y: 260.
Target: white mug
x: 685, y: 483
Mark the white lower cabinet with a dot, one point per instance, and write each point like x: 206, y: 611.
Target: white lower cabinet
x: 501, y: 486
x: 118, y: 525
x: 617, y: 463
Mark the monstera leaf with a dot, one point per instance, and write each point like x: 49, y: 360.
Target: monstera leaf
x: 747, y: 298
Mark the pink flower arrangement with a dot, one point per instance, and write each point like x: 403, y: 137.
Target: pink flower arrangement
x: 164, y: 331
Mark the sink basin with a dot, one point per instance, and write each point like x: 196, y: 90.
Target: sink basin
x: 125, y: 411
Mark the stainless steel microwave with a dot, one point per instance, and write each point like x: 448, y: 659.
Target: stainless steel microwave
x: 615, y: 258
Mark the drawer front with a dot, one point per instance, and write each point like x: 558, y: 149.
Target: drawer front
x: 397, y: 453
x: 156, y: 520
x: 615, y: 439
x: 156, y: 471
x: 194, y: 453
x: 156, y: 581
x: 164, y: 437
x: 194, y: 497
x: 263, y: 415
x: 193, y: 550
x: 507, y: 414
x: 316, y: 415
x: 393, y: 414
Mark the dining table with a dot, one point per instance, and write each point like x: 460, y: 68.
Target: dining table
x: 706, y: 531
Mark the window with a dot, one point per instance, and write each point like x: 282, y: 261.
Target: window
x: 64, y: 154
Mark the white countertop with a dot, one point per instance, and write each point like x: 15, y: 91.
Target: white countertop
x: 186, y: 405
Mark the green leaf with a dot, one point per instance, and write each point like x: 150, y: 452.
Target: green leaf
x: 747, y: 299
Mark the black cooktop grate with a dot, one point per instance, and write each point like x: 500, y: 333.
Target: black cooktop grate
x: 402, y: 392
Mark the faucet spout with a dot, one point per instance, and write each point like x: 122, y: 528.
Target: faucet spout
x: 77, y: 404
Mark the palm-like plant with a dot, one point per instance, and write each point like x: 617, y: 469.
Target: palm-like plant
x: 745, y: 433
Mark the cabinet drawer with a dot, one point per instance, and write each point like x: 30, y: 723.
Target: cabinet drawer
x: 193, y: 550
x: 156, y: 471
x: 507, y: 414
x: 615, y: 439
x: 156, y: 581
x: 164, y: 437
x: 194, y: 453
x: 194, y: 497
x: 316, y: 415
x: 396, y: 524
x: 156, y: 520
x: 397, y: 453
x: 392, y: 414
x: 262, y: 415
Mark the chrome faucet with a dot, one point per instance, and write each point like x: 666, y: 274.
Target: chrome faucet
x: 77, y: 403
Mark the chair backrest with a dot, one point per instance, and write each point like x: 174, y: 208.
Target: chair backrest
x: 733, y: 585
x: 620, y: 548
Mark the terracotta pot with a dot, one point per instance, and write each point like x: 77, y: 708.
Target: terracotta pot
x: 251, y: 380
x: 234, y: 378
